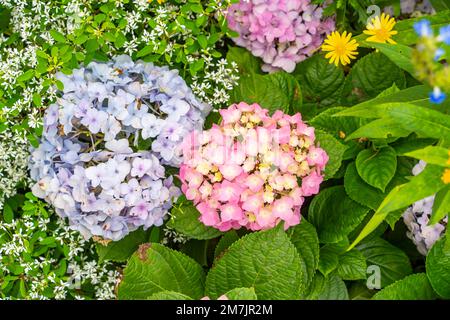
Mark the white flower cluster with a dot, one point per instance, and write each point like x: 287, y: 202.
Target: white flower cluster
x: 416, y: 218
x: 13, y: 163
x: 219, y: 75
x: 40, y: 273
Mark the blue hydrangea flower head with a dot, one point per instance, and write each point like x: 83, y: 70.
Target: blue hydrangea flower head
x: 90, y: 165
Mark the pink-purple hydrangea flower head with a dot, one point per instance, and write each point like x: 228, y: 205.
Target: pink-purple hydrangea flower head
x: 281, y: 32
x: 105, y: 140
x: 253, y: 170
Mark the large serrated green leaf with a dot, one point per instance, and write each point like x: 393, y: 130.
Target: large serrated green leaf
x: 438, y: 267
x: 305, y: 239
x: 399, y: 54
x: 241, y: 294
x: 329, y: 259
x: 155, y: 268
x: 225, y: 241
x: 333, y: 289
x: 121, y: 250
x: 334, y: 149
x: 352, y: 265
x: 246, y: 62
x: 360, y: 191
x: 169, y: 295
x: 185, y: 220
x: 394, y: 263
x: 377, y: 168
x: 413, y: 287
x: 425, y: 184
x: 321, y: 83
x: 370, y: 76
x: 265, y: 260
x: 276, y: 91
x: 334, y: 214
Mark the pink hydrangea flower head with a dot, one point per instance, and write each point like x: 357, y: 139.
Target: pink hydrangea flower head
x: 281, y: 32
x: 268, y: 164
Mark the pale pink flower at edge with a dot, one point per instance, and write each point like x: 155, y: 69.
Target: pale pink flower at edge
x: 282, y: 33
x: 252, y: 170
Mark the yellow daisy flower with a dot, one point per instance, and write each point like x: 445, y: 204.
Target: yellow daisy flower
x: 341, y: 48
x: 380, y: 29
x: 159, y: 1
x: 446, y: 176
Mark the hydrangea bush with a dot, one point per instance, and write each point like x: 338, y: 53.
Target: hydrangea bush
x: 260, y: 149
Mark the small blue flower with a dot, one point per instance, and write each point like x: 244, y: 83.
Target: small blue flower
x: 423, y: 28
x: 444, y: 34
x: 437, y: 96
x: 439, y: 54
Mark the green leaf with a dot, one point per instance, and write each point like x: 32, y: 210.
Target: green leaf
x: 329, y: 259
x: 225, y: 241
x: 334, y: 149
x: 360, y: 191
x: 334, y: 214
x: 440, y: 5
x: 290, y: 86
x: 438, y: 267
x: 393, y: 263
x: 185, y: 220
x: 399, y: 54
x: 413, y: 287
x: 202, y: 41
x: 321, y: 82
x: 352, y: 265
x: 377, y: 168
x: 155, y: 268
x: 334, y: 289
x: 426, y: 122
x: 256, y: 88
x: 276, y: 91
x: 27, y: 75
x: 8, y: 214
x: 376, y: 108
x: 432, y: 155
x: 411, y: 143
x: 246, y: 62
x: 425, y: 184
x: 265, y: 260
x: 370, y: 76
x: 144, y: 51
x: 121, y: 250
x: 336, y: 125
x: 58, y: 36
x: 168, y: 295
x: 380, y: 129
x: 241, y: 294
x: 305, y: 239
x: 441, y: 206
